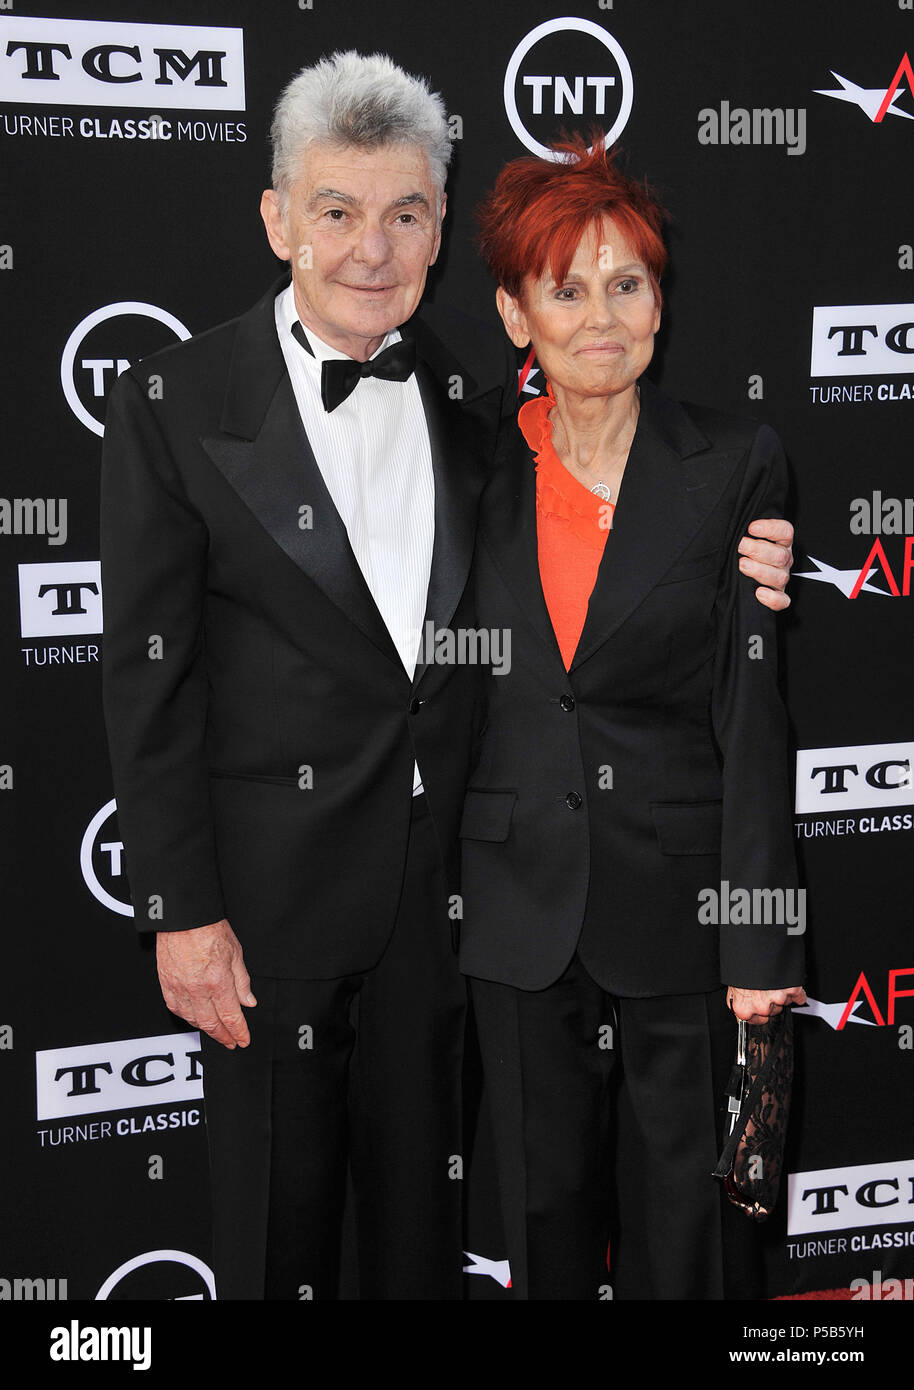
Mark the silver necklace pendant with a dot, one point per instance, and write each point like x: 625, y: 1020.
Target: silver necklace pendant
x: 602, y: 491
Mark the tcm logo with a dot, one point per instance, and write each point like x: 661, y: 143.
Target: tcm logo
x: 81, y: 62
x: 118, y: 1075
x: 855, y: 777
x: 563, y: 69
x: 96, y: 353
x: 862, y: 340
x: 157, y: 1276
x: 833, y: 1199
x: 875, y: 102
x: 57, y: 600
x: 101, y: 859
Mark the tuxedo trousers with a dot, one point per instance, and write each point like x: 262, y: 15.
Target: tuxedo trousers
x: 570, y: 1071
x: 352, y: 1078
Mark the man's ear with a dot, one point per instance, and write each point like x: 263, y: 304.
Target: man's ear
x: 513, y: 317
x: 275, y: 227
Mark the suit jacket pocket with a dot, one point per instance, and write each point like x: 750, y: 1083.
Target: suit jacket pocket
x: 688, y: 827
x: 254, y: 777
x: 487, y: 815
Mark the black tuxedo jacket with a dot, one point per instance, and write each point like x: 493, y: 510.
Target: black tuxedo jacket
x: 261, y: 726
x: 606, y: 797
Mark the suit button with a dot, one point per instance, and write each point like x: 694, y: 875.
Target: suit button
x: 574, y: 801
x: 414, y: 705
x: 567, y: 703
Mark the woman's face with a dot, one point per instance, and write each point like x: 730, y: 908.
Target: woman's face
x: 593, y: 333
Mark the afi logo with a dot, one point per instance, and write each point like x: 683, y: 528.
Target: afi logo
x: 92, y: 359
x: 76, y: 62
x: 874, y: 102
x: 563, y: 69
x: 862, y: 987
x: 854, y: 582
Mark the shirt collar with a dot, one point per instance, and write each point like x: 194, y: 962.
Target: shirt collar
x: 323, y: 352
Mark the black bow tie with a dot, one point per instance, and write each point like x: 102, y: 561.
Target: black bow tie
x: 340, y: 375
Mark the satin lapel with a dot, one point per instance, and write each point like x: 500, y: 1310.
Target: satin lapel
x: 459, y: 477
x: 672, y: 481
x: 508, y: 520
x: 273, y: 470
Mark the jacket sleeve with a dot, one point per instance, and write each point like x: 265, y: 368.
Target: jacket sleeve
x: 750, y: 725
x: 154, y: 683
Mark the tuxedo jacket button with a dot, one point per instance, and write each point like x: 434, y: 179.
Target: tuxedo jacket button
x: 567, y: 703
x: 574, y: 801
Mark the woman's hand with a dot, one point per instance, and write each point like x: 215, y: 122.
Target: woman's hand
x: 758, y: 1005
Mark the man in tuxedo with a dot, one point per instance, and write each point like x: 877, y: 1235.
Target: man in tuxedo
x: 282, y: 516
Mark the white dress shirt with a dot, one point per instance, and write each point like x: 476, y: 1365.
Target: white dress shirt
x: 374, y: 455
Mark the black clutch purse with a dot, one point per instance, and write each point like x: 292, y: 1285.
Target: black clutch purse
x: 756, y: 1110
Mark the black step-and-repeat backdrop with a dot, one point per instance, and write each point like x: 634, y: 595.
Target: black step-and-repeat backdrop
x: 134, y: 144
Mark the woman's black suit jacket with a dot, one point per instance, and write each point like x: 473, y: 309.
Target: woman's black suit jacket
x: 605, y: 798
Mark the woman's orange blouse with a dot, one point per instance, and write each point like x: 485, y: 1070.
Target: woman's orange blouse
x: 571, y: 529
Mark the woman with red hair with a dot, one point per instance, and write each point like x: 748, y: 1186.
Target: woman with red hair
x: 633, y: 764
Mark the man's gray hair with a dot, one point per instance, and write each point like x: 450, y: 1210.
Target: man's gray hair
x: 354, y: 99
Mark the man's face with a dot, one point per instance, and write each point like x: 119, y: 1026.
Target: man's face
x: 361, y: 230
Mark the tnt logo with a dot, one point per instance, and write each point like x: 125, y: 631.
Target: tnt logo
x: 567, y: 73
x: 101, y: 859
x: 103, y: 345
x: 160, y: 1275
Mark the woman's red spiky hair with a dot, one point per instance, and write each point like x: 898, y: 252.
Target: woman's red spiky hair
x: 540, y: 208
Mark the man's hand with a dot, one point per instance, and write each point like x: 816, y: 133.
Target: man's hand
x: 204, y: 981
x: 758, y: 1005
x: 768, y: 559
